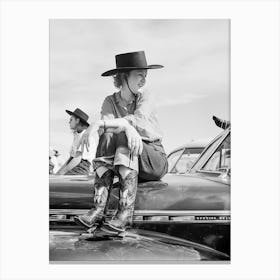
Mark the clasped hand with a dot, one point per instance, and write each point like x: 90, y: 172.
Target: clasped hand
x: 84, y: 141
x: 134, y: 140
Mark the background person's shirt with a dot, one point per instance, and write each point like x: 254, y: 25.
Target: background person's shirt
x: 140, y: 113
x: 86, y: 155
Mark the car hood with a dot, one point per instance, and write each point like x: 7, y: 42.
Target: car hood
x: 173, y: 192
x: 185, y: 180
x: 184, y: 192
x: 137, y: 245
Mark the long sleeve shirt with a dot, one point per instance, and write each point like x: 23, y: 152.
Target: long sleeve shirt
x: 140, y: 113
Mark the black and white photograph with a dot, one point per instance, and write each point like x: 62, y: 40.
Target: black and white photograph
x: 140, y: 130
x: 156, y: 117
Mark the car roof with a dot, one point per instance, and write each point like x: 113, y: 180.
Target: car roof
x: 191, y: 145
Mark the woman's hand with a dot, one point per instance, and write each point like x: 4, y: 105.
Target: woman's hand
x: 84, y: 141
x: 134, y: 140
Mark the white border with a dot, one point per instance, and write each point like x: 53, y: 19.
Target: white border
x: 255, y: 140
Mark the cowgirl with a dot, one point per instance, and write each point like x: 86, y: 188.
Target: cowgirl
x: 129, y: 144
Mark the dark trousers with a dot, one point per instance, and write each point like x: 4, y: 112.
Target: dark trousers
x: 112, y: 149
x: 81, y: 169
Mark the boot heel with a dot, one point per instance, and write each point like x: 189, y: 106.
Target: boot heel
x: 92, y: 229
x: 110, y: 230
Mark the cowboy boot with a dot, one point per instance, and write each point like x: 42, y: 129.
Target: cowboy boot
x: 221, y: 123
x: 124, y: 215
x: 102, y: 187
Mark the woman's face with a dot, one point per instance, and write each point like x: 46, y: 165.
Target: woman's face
x: 136, y: 79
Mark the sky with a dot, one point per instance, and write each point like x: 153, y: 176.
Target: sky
x: 193, y: 86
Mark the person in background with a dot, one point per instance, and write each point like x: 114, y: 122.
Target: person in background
x: 80, y: 159
x: 129, y: 144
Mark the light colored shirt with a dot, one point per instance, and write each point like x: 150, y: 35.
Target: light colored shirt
x: 140, y: 113
x: 87, y: 155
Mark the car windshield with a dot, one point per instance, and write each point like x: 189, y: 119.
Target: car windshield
x: 173, y: 158
x: 220, y: 160
x: 182, y: 160
x: 206, y: 153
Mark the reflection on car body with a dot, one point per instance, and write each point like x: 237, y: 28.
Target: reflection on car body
x: 194, y: 206
x: 135, y: 246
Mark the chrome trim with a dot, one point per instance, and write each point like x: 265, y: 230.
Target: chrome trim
x: 148, y: 212
x: 151, y: 216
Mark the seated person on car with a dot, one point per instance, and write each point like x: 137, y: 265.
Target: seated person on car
x: 130, y: 143
x: 80, y: 159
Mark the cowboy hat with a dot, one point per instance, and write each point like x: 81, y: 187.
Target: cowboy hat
x: 79, y: 114
x: 130, y: 61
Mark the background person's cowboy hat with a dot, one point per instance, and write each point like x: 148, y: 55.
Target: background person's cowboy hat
x: 79, y: 114
x: 131, y: 61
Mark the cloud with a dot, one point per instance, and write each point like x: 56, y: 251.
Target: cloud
x: 180, y: 99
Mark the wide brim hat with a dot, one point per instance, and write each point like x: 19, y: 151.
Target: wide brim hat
x: 79, y: 114
x: 130, y: 61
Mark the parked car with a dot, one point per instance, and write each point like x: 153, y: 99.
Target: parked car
x: 137, y: 246
x: 194, y: 205
x: 181, y: 159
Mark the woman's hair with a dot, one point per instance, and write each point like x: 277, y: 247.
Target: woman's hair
x: 119, y: 79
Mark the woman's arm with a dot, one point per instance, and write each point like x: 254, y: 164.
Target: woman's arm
x: 116, y: 126
x: 60, y: 170
x: 134, y: 139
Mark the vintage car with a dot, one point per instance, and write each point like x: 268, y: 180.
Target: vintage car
x: 136, y: 246
x: 181, y: 159
x: 194, y: 205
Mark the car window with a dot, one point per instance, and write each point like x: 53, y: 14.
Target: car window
x: 186, y: 160
x: 220, y: 160
x: 206, y: 153
x: 173, y: 158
